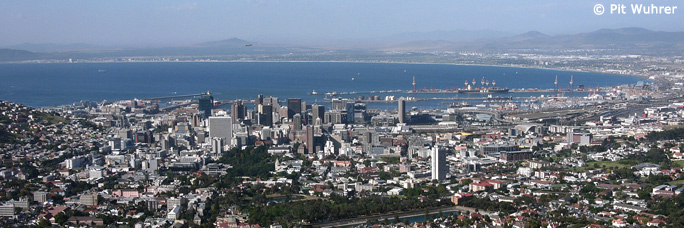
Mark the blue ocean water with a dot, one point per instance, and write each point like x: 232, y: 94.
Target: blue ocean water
x: 40, y: 85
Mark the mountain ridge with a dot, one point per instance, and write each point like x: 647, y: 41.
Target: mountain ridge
x: 632, y: 40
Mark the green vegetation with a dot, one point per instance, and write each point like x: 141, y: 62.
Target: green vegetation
x: 670, y: 207
x: 603, y: 164
x: 391, y: 160
x: 7, y: 137
x: 654, y: 155
x: 677, y: 182
x: 488, y: 205
x: 49, y: 118
x: 252, y: 162
x: 431, y: 191
x: 678, y: 164
x: 337, y: 208
x: 677, y: 133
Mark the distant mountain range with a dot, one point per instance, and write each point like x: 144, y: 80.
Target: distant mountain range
x: 234, y: 42
x: 625, y: 40
x: 452, y: 35
x: 16, y: 55
x: 50, y: 47
x: 635, y: 39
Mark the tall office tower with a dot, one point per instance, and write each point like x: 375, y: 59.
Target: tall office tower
x: 310, y: 143
x: 282, y: 113
x: 266, y: 116
x: 338, y: 104
x: 297, y: 122
x: 196, y: 120
x: 258, y: 108
x: 221, y: 127
x: 249, y: 115
x: 259, y: 99
x: 294, y: 106
x: 438, y: 164
x: 265, y: 133
x: 350, y: 112
x: 334, y: 117
x: 273, y: 101
x: 367, y: 137
x: 217, y: 145
x: 304, y: 108
x: 237, y: 111
x: 402, y: 111
x: 306, y: 118
x: 317, y: 111
x: 206, y: 103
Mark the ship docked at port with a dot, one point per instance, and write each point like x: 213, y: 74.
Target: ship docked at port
x: 484, y: 87
x: 469, y: 88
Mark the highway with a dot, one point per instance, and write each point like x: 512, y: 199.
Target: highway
x: 401, y: 215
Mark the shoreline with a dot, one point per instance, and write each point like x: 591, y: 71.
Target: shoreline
x: 339, y: 61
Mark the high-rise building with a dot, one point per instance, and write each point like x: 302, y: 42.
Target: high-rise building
x: 334, y: 117
x: 401, y: 113
x: 303, y: 107
x: 294, y: 106
x: 196, y: 120
x: 266, y: 116
x: 338, y: 104
x: 438, y: 164
x: 282, y: 113
x: 238, y: 111
x: 297, y: 122
x: 310, y: 140
x: 350, y: 112
x: 259, y: 99
x: 217, y: 145
x: 273, y: 101
x: 221, y: 127
x: 206, y: 103
x: 317, y: 111
x: 265, y: 133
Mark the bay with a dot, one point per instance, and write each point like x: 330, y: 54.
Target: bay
x: 53, y: 84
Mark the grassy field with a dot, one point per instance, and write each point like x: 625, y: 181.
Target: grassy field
x: 677, y: 163
x: 52, y: 119
x: 677, y: 182
x: 608, y: 164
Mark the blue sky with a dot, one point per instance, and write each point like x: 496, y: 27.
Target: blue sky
x: 162, y: 23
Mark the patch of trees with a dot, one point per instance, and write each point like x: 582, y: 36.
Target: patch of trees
x: 337, y: 208
x: 677, y: 133
x: 429, y: 191
x: 672, y: 208
x: 78, y: 187
x: 253, y: 162
x: 488, y: 205
x: 625, y: 173
x: 7, y: 137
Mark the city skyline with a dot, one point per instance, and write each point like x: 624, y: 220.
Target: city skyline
x: 341, y: 114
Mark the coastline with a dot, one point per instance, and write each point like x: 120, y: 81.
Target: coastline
x: 340, y: 61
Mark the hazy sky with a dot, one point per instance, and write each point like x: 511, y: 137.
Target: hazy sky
x: 160, y: 23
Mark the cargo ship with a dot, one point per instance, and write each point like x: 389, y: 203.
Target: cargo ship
x: 484, y: 88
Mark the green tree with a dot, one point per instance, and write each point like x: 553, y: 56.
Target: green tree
x: 61, y: 218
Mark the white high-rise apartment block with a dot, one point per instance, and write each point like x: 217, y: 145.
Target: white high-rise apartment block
x: 438, y: 163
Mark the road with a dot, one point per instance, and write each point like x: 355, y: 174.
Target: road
x: 401, y: 215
